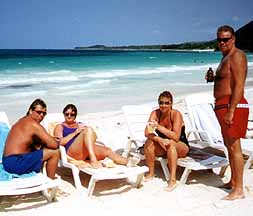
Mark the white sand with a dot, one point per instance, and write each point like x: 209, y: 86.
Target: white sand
x: 200, y: 195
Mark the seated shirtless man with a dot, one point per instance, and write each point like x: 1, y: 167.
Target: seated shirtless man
x: 28, y: 145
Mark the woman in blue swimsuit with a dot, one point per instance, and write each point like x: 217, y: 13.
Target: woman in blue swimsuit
x: 80, y: 141
x: 167, y: 137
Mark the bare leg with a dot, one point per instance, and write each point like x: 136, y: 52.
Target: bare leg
x: 85, y: 142
x: 79, y: 163
x: 236, y: 163
x: 230, y: 184
x: 51, y: 157
x: 83, y: 146
x: 175, y: 150
x: 89, y: 141
x: 172, y: 163
x: 149, y: 151
x: 103, y: 151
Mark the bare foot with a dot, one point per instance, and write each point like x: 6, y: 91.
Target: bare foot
x: 96, y: 164
x: 234, y: 195
x: 171, y: 186
x: 79, y: 163
x: 148, y: 177
x: 84, y: 164
x: 108, y: 163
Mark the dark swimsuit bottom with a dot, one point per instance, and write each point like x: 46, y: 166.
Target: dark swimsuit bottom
x: 182, y: 137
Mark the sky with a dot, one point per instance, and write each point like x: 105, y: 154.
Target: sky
x: 65, y: 24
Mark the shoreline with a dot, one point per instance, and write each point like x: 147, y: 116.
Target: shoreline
x: 13, y: 115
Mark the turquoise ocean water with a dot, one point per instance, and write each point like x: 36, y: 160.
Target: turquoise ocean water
x: 98, y: 81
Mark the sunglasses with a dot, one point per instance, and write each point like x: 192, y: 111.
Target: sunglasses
x: 70, y: 114
x: 39, y: 112
x: 164, y: 102
x: 223, y: 39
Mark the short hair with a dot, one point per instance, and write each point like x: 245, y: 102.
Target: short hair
x: 166, y: 94
x: 70, y: 106
x: 35, y: 103
x: 226, y: 28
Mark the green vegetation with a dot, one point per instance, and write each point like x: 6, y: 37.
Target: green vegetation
x: 183, y: 46
x: 193, y: 45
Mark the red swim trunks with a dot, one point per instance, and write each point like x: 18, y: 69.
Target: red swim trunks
x: 240, y: 121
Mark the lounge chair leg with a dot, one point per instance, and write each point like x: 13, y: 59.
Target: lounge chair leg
x: 91, y: 186
x: 223, y: 171
x: 138, y: 180
x: 248, y: 162
x: 77, y: 181
x: 127, y: 149
x: 185, y: 175
x: 50, y: 194
x: 165, y: 169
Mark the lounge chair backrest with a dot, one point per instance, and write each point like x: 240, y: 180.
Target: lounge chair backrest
x: 51, y: 120
x: 4, y: 130
x: 4, y: 119
x: 137, y: 117
x: 203, y: 118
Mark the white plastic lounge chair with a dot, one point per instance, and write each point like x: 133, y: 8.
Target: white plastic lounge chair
x: 137, y: 117
x: 25, y: 184
x: 117, y: 172
x: 206, y: 127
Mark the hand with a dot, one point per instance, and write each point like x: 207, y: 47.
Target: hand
x: 165, y: 143
x: 78, y: 130
x: 153, y: 124
x: 57, y: 139
x: 209, y: 77
x: 82, y: 126
x: 228, y: 118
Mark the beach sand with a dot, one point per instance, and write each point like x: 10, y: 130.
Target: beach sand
x: 199, y: 196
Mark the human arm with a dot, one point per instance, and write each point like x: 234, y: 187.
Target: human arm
x: 46, y: 139
x: 238, y: 68
x: 152, y: 122
x: 58, y: 134
x: 175, y: 131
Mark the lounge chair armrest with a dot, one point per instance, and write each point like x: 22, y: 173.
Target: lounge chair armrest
x: 98, y: 142
x: 189, y: 132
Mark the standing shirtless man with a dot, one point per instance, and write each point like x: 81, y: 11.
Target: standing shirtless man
x: 28, y: 145
x: 231, y: 108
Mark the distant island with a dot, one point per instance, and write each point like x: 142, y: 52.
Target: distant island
x: 244, y: 41
x: 205, y: 45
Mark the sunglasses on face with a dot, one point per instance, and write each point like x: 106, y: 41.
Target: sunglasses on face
x: 70, y: 114
x: 223, y: 39
x: 39, y: 112
x: 164, y: 102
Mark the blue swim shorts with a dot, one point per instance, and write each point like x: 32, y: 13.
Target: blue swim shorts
x: 24, y: 163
